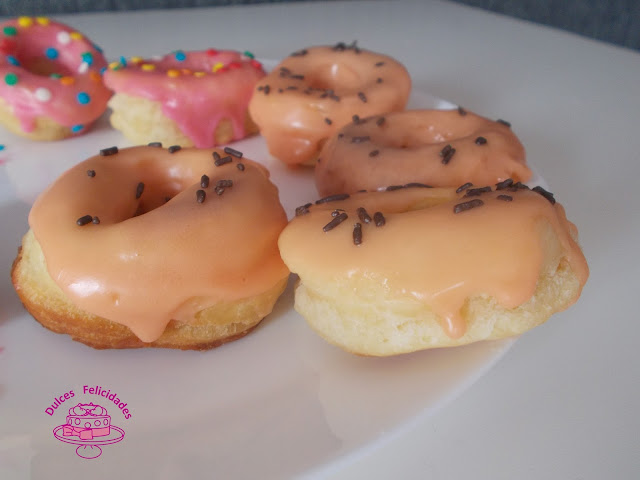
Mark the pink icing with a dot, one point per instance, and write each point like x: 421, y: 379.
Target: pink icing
x: 48, y: 69
x: 196, y: 89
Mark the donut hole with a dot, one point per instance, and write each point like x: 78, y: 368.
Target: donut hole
x: 32, y: 57
x: 334, y: 76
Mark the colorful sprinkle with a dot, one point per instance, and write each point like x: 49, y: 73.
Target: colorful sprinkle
x: 13, y: 60
x: 10, y: 79
x: 25, y: 21
x: 199, y: 74
x: 83, y: 98
x: 180, y: 56
x: 75, y: 36
x: 123, y: 61
x: 83, y: 68
x: 55, y: 75
x: 115, y: 66
x: 10, y: 31
x: 2, y: 147
x: 148, y: 67
x: 173, y: 73
x: 67, y: 81
x: 95, y: 76
x: 51, y: 53
x: 212, y: 52
x: 217, y: 66
x: 63, y: 37
x: 87, y: 57
x: 43, y: 94
x: 77, y: 128
x: 249, y: 54
x: 135, y: 60
x: 97, y: 48
x: 44, y: 21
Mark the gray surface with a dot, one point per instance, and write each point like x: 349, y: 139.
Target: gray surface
x: 614, y: 21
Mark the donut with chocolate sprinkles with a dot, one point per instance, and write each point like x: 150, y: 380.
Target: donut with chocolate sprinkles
x: 172, y: 266
x: 444, y: 270
x: 321, y: 91
x: 441, y: 148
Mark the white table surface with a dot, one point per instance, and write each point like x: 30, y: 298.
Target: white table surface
x: 562, y: 403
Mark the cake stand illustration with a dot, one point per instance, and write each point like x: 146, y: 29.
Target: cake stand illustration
x: 89, y: 427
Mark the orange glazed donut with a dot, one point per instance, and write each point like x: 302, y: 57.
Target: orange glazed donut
x: 389, y: 272
x: 440, y: 148
x: 154, y: 247
x: 317, y: 90
x: 186, y: 98
x: 50, y: 79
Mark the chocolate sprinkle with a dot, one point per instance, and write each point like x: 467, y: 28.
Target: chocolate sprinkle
x: 546, y: 194
x: 303, y: 209
x: 447, y: 153
x: 200, y: 196
x: 356, y: 119
x: 481, y: 141
x: 333, y: 198
x: 380, y: 121
x: 463, y: 187
x: 84, y: 220
x: 95, y: 221
x: 361, y: 139
x: 224, y: 183
x: 518, y: 186
x: 233, y: 151
x: 266, y: 89
x: 139, y: 190
x: 335, y: 222
x: 299, y: 53
x: 392, y: 188
x: 464, y: 206
x: 379, y: 64
x: 374, y: 153
x: 417, y: 185
x: 504, y: 184
x: 506, y: 198
x: 105, y: 152
x: 174, y: 148
x: 379, y: 219
x: 221, y: 160
x: 362, y: 97
x: 504, y: 122
x: 474, y: 192
x: 155, y: 144
x: 363, y: 215
x: 240, y: 167
x: 462, y: 111
x: 219, y: 190
x: 204, y: 181
x: 328, y: 121
x: 91, y: 173
x: 337, y: 212
x: 378, y: 80
x: 357, y: 234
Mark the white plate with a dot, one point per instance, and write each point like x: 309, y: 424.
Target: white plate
x: 278, y: 403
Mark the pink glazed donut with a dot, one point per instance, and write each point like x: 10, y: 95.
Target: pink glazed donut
x: 50, y: 79
x: 192, y: 99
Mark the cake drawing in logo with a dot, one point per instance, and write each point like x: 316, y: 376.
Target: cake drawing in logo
x: 88, y: 426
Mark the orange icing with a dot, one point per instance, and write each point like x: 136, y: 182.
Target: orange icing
x: 148, y: 261
x: 404, y: 147
x: 197, y: 90
x: 296, y: 115
x: 47, y: 69
x: 427, y: 252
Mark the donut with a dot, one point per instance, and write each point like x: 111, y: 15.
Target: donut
x: 154, y: 247
x: 184, y: 98
x: 441, y: 148
x: 317, y: 90
x: 390, y: 272
x: 50, y: 79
